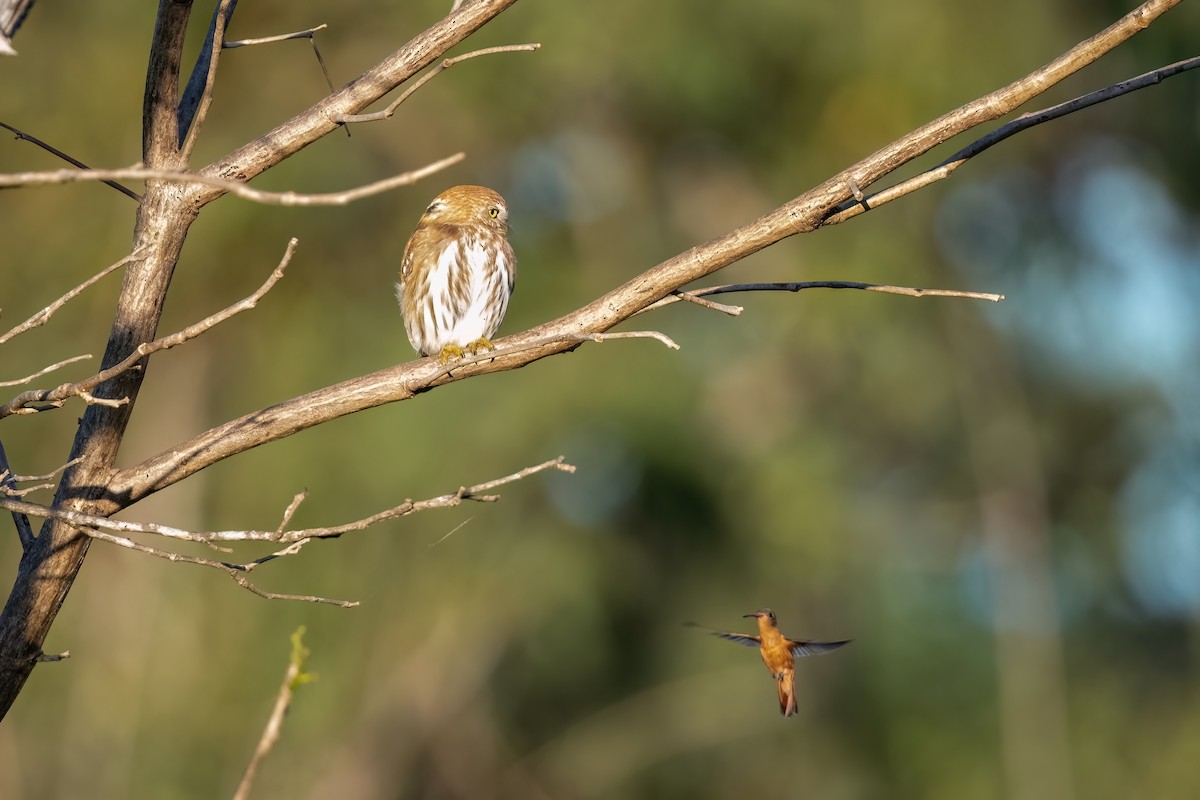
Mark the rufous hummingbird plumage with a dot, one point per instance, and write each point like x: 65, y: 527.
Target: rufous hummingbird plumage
x: 779, y: 654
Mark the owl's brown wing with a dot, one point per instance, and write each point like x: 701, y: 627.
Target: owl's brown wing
x: 800, y: 649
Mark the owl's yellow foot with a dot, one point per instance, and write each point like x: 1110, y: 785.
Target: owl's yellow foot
x: 482, y: 343
x: 448, y: 352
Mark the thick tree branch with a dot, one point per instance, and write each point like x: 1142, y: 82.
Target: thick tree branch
x: 310, y: 125
x: 804, y: 213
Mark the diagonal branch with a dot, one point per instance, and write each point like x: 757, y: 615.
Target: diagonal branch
x: 802, y: 214
x: 236, y: 188
x: 942, y: 171
x: 320, y: 119
x: 428, y: 76
x: 43, y: 316
x: 197, y: 95
x: 21, y: 135
x: 54, y: 398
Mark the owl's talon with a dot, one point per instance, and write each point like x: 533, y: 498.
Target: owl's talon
x: 482, y: 343
x: 450, y: 351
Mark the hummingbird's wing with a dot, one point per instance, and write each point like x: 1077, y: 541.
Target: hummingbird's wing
x: 800, y: 649
x: 740, y: 638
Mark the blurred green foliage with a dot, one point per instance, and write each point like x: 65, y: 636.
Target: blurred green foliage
x: 997, y: 502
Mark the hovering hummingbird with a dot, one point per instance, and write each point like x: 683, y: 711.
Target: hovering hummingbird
x: 779, y: 654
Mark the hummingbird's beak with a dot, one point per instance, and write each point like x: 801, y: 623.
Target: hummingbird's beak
x: 755, y: 614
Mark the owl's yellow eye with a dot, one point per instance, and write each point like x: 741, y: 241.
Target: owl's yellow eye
x: 493, y: 212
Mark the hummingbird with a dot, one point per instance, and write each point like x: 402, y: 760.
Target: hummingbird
x: 779, y: 654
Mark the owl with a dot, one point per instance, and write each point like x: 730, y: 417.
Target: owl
x: 457, y: 273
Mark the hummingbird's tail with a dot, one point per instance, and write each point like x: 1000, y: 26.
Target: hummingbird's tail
x: 785, y: 684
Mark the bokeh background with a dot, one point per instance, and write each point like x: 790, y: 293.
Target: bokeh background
x: 999, y: 503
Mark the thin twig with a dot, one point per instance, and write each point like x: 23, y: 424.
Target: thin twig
x: 44, y: 370
x: 293, y: 677
x: 604, y: 337
x: 51, y: 149
x: 796, y: 286
x: 54, y: 398
x: 9, y: 491
x: 90, y: 522
x: 43, y: 316
x: 283, y: 37
x: 197, y: 95
x: 428, y: 76
x: 235, y: 571
x: 1025, y: 121
x: 695, y: 299
x: 233, y: 187
x: 290, y: 510
x: 47, y: 476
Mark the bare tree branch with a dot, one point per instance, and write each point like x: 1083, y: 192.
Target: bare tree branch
x: 293, y: 677
x: 796, y: 286
x: 1024, y: 122
x: 428, y: 76
x: 43, y: 316
x: 7, y: 482
x: 235, y: 571
x: 697, y: 295
x: 283, y: 37
x: 236, y: 188
x: 477, y: 493
x: 44, y: 370
x: 54, y: 398
x: 21, y: 135
x: 320, y: 119
x: 197, y: 95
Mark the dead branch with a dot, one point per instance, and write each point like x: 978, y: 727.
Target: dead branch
x: 44, y: 370
x: 235, y: 188
x: 283, y: 37
x: 697, y: 295
x: 90, y: 522
x: 235, y: 571
x: 54, y: 398
x: 1024, y: 122
x: 428, y: 76
x: 197, y: 95
x: 43, y: 316
x: 22, y: 136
